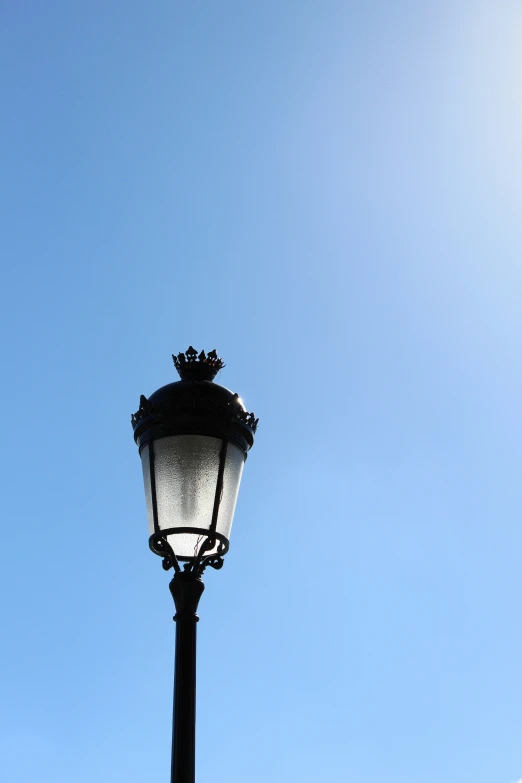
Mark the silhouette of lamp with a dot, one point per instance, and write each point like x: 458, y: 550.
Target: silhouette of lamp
x: 193, y: 438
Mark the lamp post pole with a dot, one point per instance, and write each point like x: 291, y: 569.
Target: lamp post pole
x: 186, y: 589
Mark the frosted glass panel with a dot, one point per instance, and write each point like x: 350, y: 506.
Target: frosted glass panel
x: 189, y: 544
x: 146, y: 481
x: 186, y: 469
x: 231, y: 480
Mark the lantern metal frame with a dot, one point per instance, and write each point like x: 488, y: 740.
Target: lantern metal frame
x: 193, y: 406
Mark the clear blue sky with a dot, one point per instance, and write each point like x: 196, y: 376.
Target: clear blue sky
x: 329, y: 193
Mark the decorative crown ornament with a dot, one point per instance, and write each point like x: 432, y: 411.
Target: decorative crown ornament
x: 195, y: 398
x: 192, y: 367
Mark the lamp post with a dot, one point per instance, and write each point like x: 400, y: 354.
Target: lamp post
x: 193, y: 438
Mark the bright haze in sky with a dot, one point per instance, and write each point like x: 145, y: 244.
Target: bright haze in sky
x: 330, y: 194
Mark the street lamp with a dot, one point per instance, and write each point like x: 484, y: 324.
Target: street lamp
x: 193, y: 438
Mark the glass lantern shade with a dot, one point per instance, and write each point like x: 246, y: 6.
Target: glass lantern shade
x: 191, y: 487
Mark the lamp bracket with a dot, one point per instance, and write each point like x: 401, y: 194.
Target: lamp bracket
x: 196, y: 565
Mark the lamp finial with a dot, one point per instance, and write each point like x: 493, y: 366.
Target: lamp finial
x: 192, y: 367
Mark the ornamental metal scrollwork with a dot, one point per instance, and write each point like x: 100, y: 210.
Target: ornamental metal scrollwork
x: 161, y: 547
x: 159, y: 544
x: 195, y: 400
x: 240, y: 413
x: 214, y: 562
